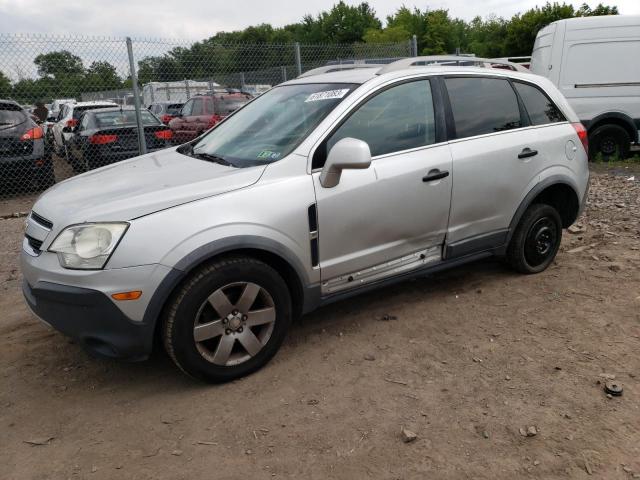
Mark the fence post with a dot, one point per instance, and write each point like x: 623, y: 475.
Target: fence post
x: 186, y: 84
x: 414, y: 46
x: 283, y: 69
x: 142, y: 144
x: 296, y: 50
x: 242, y: 81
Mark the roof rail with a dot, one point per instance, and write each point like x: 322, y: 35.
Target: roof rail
x: 338, y: 68
x: 456, y: 60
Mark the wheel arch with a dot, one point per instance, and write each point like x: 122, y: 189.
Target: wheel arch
x: 614, y: 118
x: 265, y: 250
x: 557, y: 191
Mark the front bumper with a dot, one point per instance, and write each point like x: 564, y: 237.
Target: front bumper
x: 90, y: 317
x: 78, y: 303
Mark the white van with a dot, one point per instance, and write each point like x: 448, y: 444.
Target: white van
x: 595, y: 63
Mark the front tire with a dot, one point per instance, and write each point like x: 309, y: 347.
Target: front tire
x: 227, y: 320
x: 536, y: 240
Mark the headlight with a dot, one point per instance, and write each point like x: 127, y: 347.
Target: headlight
x: 87, y: 246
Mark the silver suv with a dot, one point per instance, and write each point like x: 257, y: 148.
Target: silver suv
x: 323, y: 187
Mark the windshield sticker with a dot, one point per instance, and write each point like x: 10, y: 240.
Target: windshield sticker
x: 268, y: 155
x: 327, y: 95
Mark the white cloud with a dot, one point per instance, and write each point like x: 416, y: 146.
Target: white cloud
x: 195, y: 19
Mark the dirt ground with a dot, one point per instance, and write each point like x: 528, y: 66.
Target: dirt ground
x: 465, y: 359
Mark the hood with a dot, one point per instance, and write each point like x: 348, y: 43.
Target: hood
x: 140, y: 186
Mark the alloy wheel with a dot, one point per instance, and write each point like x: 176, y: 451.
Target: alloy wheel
x: 234, y: 323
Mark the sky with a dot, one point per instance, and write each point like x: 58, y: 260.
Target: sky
x: 197, y: 19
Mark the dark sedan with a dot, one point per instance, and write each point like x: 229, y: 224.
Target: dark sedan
x: 23, y: 165
x: 110, y: 135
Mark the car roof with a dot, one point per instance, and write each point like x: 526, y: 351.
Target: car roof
x: 115, y: 109
x: 12, y: 102
x: 360, y: 76
x: 166, y: 102
x: 92, y: 103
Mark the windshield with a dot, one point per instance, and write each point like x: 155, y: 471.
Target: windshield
x: 77, y: 111
x: 174, y: 108
x: 272, y: 125
x: 124, y: 117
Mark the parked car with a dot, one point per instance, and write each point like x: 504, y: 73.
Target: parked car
x: 321, y: 188
x: 68, y: 118
x: 593, y: 61
x: 56, y: 106
x: 110, y: 135
x: 203, y: 112
x: 165, y: 111
x: 23, y: 164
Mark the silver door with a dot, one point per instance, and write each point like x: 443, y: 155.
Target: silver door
x: 390, y: 217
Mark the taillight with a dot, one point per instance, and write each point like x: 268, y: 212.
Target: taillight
x: 582, y: 135
x: 164, y: 134
x: 100, y: 139
x: 33, y: 134
x: 166, y: 118
x: 72, y: 123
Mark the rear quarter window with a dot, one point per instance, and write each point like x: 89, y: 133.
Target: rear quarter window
x: 482, y: 105
x: 540, y: 108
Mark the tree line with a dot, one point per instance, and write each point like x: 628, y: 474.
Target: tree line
x: 62, y: 74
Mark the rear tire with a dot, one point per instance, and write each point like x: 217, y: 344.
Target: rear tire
x: 609, y: 142
x: 227, y: 320
x: 536, y: 241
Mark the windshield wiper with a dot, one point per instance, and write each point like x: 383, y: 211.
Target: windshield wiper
x: 187, y: 149
x: 211, y: 158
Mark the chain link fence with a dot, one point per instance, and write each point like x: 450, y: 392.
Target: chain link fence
x: 72, y: 104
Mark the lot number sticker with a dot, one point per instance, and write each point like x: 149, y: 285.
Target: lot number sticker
x: 327, y: 95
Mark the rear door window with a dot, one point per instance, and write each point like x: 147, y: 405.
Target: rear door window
x: 482, y: 105
x: 540, y: 108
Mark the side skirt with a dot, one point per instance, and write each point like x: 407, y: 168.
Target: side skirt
x: 426, y: 270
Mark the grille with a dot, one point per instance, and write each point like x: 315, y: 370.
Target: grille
x: 33, y: 243
x: 43, y: 222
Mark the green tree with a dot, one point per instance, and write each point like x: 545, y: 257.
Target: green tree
x: 59, y: 64
x: 5, y: 86
x: 387, y: 35
x: 101, y: 76
x: 600, y: 9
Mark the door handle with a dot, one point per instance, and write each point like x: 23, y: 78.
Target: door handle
x: 527, y: 152
x: 435, y: 174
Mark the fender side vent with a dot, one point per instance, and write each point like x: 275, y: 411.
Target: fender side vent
x: 312, y: 215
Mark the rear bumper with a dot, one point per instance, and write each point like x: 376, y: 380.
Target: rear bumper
x: 90, y: 317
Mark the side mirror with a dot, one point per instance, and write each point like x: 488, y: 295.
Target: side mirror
x: 348, y: 153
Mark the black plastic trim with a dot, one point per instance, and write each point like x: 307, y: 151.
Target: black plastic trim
x: 533, y: 193
x: 479, y: 243
x: 210, y: 250
x: 633, y: 124
x: 92, y: 318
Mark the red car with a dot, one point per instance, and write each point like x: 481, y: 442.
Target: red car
x: 201, y: 113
